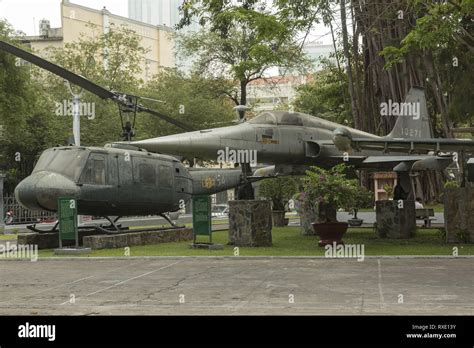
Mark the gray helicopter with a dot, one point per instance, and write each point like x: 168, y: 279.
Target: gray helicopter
x: 119, y: 179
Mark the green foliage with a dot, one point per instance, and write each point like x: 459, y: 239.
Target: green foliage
x: 389, y: 189
x: 280, y: 190
x: 112, y: 60
x: 287, y: 241
x: 330, y: 187
x: 240, y: 40
x: 451, y: 184
x: 324, y: 97
x: 463, y: 236
x: 196, y: 100
x: 25, y: 114
x: 442, y: 234
x: 362, y: 199
x: 444, y: 31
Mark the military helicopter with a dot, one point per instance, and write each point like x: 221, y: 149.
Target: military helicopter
x: 119, y: 179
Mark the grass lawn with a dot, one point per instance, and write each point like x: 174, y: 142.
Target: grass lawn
x: 7, y: 236
x: 287, y: 241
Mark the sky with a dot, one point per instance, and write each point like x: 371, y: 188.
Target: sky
x: 25, y: 15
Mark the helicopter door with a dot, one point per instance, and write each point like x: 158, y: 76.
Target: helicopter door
x: 97, y: 191
x: 145, y: 180
x: 183, y: 184
x: 166, y: 185
x: 125, y: 179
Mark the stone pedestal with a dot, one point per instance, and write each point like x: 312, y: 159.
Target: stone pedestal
x: 250, y: 223
x: 130, y: 239
x: 307, y: 217
x: 459, y: 214
x: 394, y: 221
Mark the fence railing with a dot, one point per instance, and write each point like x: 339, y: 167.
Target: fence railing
x: 22, y: 215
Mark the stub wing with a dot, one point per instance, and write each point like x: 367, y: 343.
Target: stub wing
x: 411, y: 163
x: 421, y: 146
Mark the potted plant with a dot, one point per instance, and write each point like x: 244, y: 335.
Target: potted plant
x: 362, y: 199
x: 279, y: 190
x: 326, y: 191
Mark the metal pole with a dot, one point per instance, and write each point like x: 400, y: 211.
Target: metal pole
x: 76, y: 122
x: 76, y: 127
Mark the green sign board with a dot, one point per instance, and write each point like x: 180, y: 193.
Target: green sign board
x: 67, y: 216
x: 202, y: 224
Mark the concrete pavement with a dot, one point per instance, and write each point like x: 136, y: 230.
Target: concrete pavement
x: 218, y: 285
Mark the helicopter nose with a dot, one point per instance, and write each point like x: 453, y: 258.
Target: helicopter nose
x: 41, y: 191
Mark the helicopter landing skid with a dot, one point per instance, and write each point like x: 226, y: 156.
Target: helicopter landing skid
x: 173, y: 225
x: 34, y: 229
x: 113, y: 227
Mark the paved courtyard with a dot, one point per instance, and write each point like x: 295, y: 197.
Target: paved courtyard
x: 194, y: 286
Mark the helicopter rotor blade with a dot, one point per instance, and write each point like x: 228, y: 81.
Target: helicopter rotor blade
x: 57, y: 70
x: 88, y: 85
x: 168, y: 119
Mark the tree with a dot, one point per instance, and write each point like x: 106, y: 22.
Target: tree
x: 329, y: 190
x: 444, y: 37
x: 25, y: 116
x: 241, y: 41
x: 198, y: 101
x: 279, y: 190
x: 112, y: 60
x: 322, y: 97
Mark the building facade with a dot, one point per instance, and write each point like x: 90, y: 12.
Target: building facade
x: 158, y: 12
x: 76, y: 20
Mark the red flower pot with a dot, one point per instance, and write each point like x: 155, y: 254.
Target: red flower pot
x: 330, y: 232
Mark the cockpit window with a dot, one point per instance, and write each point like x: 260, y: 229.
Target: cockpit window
x: 279, y: 118
x: 94, y: 172
x: 68, y: 162
x: 290, y: 119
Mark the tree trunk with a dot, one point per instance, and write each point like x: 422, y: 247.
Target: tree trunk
x: 345, y: 43
x: 326, y: 213
x: 243, y: 97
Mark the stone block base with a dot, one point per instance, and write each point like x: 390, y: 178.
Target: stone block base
x: 307, y: 217
x: 91, y: 239
x: 50, y: 240
x: 250, y: 223
x: 137, y: 238
x: 395, y: 222
x: 459, y: 214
